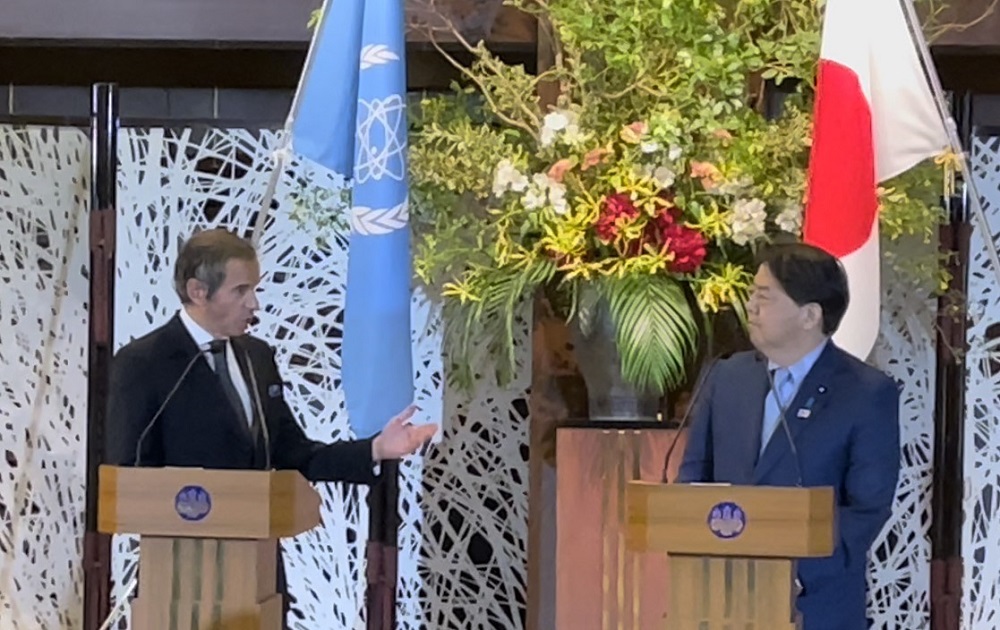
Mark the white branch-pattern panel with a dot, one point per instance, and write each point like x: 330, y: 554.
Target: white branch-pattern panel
x: 981, y: 523
x: 44, y: 196
x: 899, y: 562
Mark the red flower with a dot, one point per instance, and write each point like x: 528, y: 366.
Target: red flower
x: 615, y: 210
x: 687, y: 245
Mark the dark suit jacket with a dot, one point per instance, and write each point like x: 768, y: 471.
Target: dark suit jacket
x: 850, y: 440
x: 199, y: 428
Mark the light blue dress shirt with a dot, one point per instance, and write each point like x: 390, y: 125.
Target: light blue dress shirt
x: 787, y: 381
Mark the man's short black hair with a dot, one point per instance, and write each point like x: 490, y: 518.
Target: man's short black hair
x: 810, y: 275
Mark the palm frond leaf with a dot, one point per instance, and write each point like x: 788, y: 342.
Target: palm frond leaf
x: 490, y: 320
x: 656, y: 330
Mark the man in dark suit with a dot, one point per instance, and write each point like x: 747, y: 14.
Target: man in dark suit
x: 842, y: 419
x: 226, y: 407
x: 200, y: 392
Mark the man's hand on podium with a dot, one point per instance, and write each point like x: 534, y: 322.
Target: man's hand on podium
x: 400, y: 437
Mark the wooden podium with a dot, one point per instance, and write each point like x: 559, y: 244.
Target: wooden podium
x: 732, y: 549
x: 209, y: 549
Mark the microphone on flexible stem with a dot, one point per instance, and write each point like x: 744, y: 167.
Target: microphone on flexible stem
x: 782, y: 418
x: 260, y: 412
x: 163, y: 405
x: 687, y: 414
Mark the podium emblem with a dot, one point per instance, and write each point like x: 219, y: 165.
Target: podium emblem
x: 727, y: 520
x: 193, y: 503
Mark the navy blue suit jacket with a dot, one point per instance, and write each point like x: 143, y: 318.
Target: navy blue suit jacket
x: 849, y: 440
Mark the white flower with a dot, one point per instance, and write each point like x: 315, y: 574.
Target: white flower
x: 664, y: 176
x: 733, y: 188
x: 507, y: 177
x: 790, y: 218
x: 557, y: 120
x: 747, y: 220
x: 675, y: 153
x: 533, y: 199
x: 560, y: 122
x: 557, y: 197
x: 519, y: 183
x: 650, y: 146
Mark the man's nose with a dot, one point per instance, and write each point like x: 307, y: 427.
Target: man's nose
x: 254, y: 302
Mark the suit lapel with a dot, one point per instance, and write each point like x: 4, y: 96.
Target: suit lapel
x: 806, y: 407
x: 249, y: 376
x: 754, y: 398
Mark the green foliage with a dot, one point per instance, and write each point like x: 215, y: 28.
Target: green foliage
x: 656, y: 330
x: 655, y: 142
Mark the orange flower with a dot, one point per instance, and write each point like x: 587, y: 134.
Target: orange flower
x: 633, y: 133
x: 558, y: 170
x: 704, y: 170
x: 722, y: 134
x: 593, y: 158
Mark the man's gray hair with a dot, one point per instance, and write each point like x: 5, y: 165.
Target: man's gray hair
x: 204, y: 256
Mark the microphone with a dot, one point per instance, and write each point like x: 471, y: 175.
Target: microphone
x: 687, y: 413
x: 156, y: 416
x: 260, y: 412
x: 782, y: 410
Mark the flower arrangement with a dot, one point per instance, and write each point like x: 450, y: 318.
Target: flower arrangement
x: 635, y: 175
x: 646, y: 182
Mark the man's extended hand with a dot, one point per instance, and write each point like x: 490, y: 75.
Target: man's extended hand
x: 400, y: 438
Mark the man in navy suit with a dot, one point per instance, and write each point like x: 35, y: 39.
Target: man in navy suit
x: 842, y: 423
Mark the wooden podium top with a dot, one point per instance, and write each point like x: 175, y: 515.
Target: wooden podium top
x: 723, y: 520
x: 199, y: 503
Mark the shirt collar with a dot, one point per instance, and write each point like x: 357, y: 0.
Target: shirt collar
x: 200, y: 336
x: 801, y: 368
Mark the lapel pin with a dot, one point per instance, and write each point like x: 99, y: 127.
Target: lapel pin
x: 804, y: 413
x: 822, y: 389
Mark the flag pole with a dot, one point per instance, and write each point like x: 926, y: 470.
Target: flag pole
x: 947, y: 562
x: 282, y: 154
x: 972, y: 192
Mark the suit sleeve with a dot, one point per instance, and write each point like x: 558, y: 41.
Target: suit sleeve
x: 872, y: 474
x: 697, y: 465
x: 348, y: 460
x: 129, y: 410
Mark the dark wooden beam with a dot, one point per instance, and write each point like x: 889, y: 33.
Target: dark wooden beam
x: 970, y: 70
x: 228, y: 67
x: 245, y: 23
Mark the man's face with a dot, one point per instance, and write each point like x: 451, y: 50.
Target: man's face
x: 231, y: 309
x: 776, y: 321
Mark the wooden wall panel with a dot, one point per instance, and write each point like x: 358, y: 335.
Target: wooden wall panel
x: 600, y: 585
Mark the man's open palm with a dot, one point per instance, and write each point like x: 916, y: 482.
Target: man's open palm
x: 400, y: 437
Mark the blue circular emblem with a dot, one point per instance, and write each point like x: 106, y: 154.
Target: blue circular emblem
x: 727, y: 520
x: 193, y: 503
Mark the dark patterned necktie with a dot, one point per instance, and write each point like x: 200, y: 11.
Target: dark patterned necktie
x: 218, y: 348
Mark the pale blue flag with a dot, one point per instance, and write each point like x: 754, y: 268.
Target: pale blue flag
x: 355, y: 81
x: 377, y: 364
x: 326, y: 103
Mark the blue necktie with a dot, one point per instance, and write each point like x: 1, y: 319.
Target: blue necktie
x: 785, y: 386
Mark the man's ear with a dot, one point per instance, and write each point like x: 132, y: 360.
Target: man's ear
x: 813, y: 315
x: 197, y: 291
